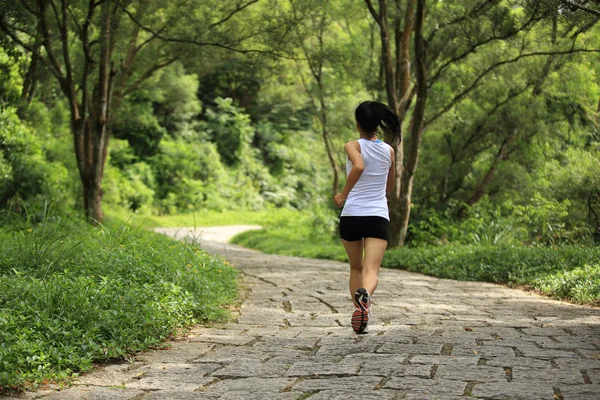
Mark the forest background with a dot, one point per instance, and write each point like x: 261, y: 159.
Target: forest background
x: 220, y: 112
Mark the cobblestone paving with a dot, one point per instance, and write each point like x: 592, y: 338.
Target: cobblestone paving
x: 430, y: 339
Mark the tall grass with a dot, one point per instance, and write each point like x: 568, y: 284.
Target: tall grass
x: 72, y: 295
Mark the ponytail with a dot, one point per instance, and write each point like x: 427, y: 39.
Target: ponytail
x: 372, y: 116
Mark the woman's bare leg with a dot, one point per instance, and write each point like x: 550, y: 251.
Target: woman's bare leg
x: 355, y: 258
x: 374, y: 249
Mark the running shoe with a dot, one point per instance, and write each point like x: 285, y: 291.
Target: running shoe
x: 360, y: 316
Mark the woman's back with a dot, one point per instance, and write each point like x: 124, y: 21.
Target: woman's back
x: 367, y: 197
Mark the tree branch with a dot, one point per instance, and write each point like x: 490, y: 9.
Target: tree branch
x: 475, y: 11
x: 477, y: 45
x: 28, y: 8
x: 475, y: 83
x: 376, y: 16
x: 148, y: 74
x: 238, y: 8
x: 581, y: 7
x: 203, y: 43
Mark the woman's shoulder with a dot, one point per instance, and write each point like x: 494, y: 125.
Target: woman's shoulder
x: 352, y: 144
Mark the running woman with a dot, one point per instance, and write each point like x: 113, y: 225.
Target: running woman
x: 365, y: 219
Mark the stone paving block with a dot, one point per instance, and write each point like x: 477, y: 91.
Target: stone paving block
x: 580, y: 392
x: 286, y: 343
x: 342, y: 384
x: 362, y: 395
x: 216, y: 330
x: 593, y: 374
x: 344, y: 349
x: 248, y: 385
x: 250, y: 368
x: 110, y: 375
x: 570, y: 342
x: 452, y: 341
x: 176, y: 395
x: 224, y: 339
x: 591, y: 354
x: 94, y: 393
x: 576, y: 363
x: 401, y: 348
x: 514, y: 343
x: 547, y: 353
x: 319, y: 369
x: 230, y: 354
x: 503, y: 333
x: 477, y: 373
x: 258, y: 396
x: 455, y: 361
x: 554, y: 375
x: 184, y: 377
x: 396, y: 369
x: 417, y: 395
x: 483, y: 351
x: 547, y: 331
x: 534, y: 363
x: 177, y: 352
x: 514, y: 391
x: 427, y: 386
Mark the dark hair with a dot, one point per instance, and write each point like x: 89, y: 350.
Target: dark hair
x: 372, y: 115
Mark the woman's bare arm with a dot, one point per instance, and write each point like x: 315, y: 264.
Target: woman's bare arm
x: 391, y: 180
x: 353, y: 151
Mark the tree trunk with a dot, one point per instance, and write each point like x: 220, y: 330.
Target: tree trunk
x: 92, y: 200
x: 401, y: 207
x: 92, y: 148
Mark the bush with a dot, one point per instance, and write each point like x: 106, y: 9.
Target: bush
x: 24, y: 170
x: 71, y: 295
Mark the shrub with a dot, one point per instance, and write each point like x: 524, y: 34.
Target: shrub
x: 25, y: 171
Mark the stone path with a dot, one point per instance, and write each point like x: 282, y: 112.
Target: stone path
x: 430, y: 339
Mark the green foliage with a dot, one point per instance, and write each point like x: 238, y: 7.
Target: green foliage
x: 541, y: 221
x: 71, y: 295
x: 189, y: 175
x: 11, y: 81
x: 24, y: 169
x: 230, y: 129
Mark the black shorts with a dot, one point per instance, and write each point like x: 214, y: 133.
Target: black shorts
x: 357, y: 228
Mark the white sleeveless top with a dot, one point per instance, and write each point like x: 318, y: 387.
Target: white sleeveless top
x: 367, y: 197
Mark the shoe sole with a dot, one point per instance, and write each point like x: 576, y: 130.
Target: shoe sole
x: 360, y: 320
x: 360, y: 317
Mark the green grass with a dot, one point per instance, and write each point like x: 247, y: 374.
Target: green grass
x: 293, y: 234
x: 566, y: 272
x: 72, y: 295
x: 199, y: 218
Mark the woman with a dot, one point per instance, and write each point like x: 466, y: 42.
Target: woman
x: 365, y: 220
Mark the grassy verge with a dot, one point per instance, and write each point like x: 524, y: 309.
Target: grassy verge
x: 72, y: 295
x: 199, y: 218
x: 293, y: 234
x: 568, y: 272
